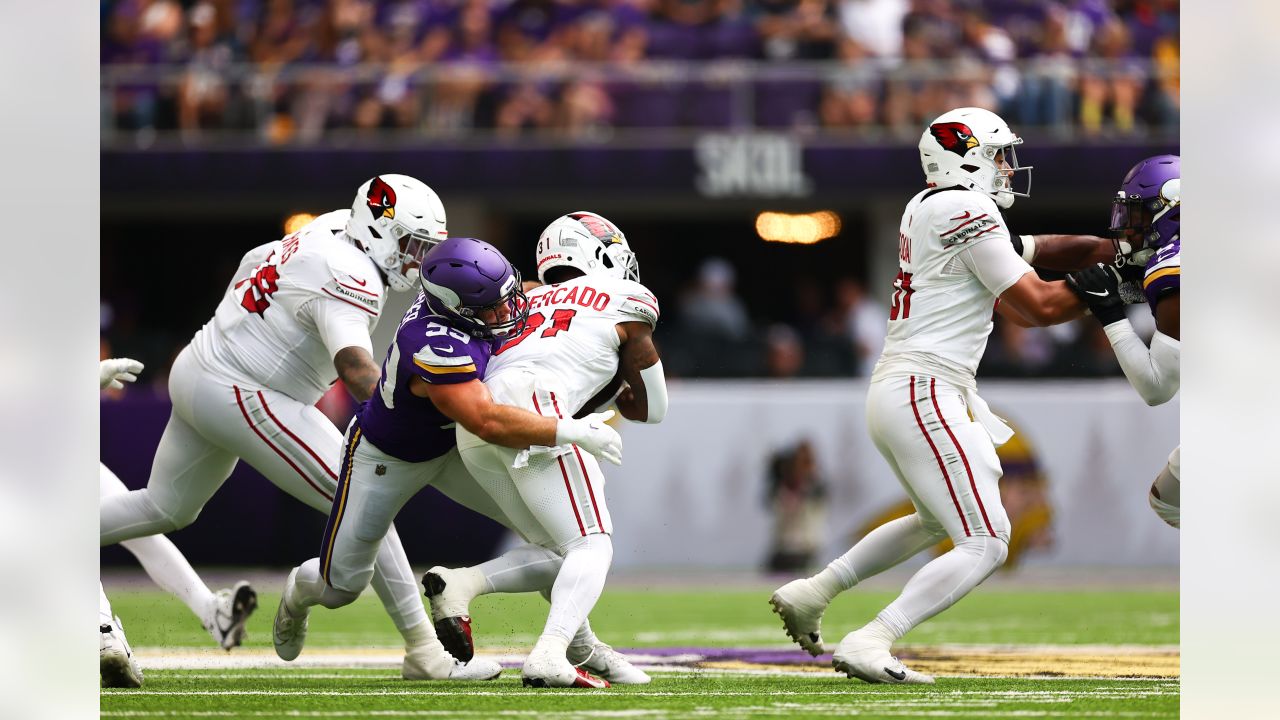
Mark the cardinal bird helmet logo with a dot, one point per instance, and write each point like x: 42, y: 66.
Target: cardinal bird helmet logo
x: 598, y: 226
x: 954, y: 136
x: 381, y: 199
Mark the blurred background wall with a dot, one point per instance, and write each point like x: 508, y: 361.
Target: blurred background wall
x: 757, y: 153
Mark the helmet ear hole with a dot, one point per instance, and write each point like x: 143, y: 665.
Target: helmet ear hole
x: 969, y: 168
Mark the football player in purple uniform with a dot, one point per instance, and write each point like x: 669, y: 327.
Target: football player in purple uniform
x: 403, y: 438
x: 1145, y: 217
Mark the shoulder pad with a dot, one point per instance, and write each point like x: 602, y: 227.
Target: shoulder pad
x: 1169, y: 256
x: 440, y: 358
x: 959, y: 217
x: 1164, y: 274
x: 637, y: 303
x: 351, y: 277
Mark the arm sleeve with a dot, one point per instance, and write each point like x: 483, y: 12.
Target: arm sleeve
x: 1154, y: 372
x: 995, y: 264
x: 341, y: 325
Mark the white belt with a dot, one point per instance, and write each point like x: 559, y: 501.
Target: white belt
x: 999, y: 431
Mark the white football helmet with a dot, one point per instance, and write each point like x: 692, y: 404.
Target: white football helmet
x: 960, y: 148
x: 389, y: 209
x: 588, y: 242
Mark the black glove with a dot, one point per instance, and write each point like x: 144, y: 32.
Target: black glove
x: 1099, y: 288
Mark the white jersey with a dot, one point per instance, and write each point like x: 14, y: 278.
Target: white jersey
x: 570, y: 341
x: 943, y: 305
x: 264, y: 332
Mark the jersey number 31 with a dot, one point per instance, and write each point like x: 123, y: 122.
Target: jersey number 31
x: 560, y: 321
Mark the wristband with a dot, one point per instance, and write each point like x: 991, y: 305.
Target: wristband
x: 1028, y: 249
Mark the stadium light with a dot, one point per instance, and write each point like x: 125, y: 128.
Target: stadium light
x: 801, y: 229
x: 296, y: 222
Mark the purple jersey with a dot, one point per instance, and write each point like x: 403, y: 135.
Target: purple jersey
x: 400, y: 423
x: 1164, y: 273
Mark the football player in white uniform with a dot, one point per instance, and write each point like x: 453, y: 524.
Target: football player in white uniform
x: 1146, y: 217
x: 957, y: 264
x: 296, y: 316
x: 223, y: 613
x: 590, y: 328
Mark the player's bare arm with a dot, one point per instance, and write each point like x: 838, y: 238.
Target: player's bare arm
x: 1066, y: 253
x: 357, y: 371
x: 471, y: 405
x: 1041, y: 303
x: 644, y: 397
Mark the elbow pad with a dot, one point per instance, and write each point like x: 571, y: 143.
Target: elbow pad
x: 1154, y: 372
x: 655, y: 390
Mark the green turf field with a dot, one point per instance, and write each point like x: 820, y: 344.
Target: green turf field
x: 999, y: 653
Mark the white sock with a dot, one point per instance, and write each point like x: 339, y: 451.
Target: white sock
x: 522, y: 569
x: 938, y: 585
x: 585, y: 637
x: 105, y: 617
x: 396, y: 586
x: 170, y: 570
x: 307, y: 588
x: 578, y: 586
x: 882, y: 548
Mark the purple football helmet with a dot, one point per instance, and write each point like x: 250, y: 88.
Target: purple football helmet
x: 1147, y: 209
x: 465, y: 278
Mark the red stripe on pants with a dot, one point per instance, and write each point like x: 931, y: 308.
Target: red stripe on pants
x: 934, y: 395
x: 586, y: 478
x: 565, y: 472
x: 938, y: 456
x: 262, y: 398
x: 277, y: 450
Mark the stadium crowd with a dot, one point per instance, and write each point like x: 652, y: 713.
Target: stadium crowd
x: 298, y: 70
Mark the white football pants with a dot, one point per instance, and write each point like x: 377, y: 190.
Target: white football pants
x: 948, y: 465
x: 216, y: 421
x: 372, y: 489
x: 162, y: 560
x: 945, y: 461
x: 551, y: 501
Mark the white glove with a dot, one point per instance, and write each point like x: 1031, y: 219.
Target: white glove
x: 593, y: 435
x: 112, y: 372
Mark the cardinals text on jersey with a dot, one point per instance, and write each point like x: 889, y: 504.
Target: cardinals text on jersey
x: 570, y: 340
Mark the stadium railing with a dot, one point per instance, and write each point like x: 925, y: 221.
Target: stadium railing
x: 247, y: 105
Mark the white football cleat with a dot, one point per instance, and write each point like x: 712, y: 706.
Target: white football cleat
x: 450, y: 593
x: 801, y: 606
x: 231, y: 610
x: 546, y: 668
x: 869, y: 659
x: 115, y: 658
x: 289, y: 632
x: 605, y: 662
x: 423, y: 663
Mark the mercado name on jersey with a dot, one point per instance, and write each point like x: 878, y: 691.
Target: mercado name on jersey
x: 426, y: 346
x: 570, y: 339
x: 1164, y: 273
